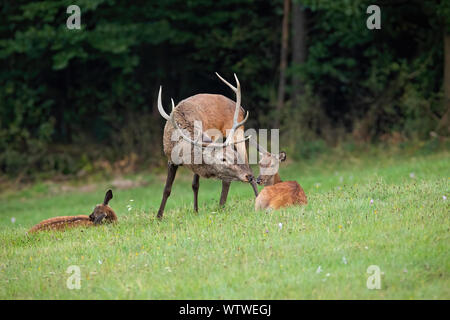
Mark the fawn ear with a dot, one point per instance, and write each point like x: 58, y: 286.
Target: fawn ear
x: 282, y: 156
x: 108, y: 196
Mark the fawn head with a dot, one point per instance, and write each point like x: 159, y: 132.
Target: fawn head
x: 268, y: 167
x: 103, y: 211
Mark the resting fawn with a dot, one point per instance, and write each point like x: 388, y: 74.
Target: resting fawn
x: 101, y: 211
x: 276, y: 194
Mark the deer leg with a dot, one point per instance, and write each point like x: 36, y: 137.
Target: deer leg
x: 224, y: 194
x: 171, y: 171
x: 195, y: 186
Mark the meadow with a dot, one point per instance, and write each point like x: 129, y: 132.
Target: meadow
x: 388, y: 211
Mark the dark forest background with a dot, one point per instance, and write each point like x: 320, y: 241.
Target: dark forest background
x: 77, y: 101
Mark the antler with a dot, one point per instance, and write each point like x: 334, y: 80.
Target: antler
x: 236, y: 124
x: 229, y: 141
x: 201, y: 144
x: 160, y: 107
x: 185, y: 137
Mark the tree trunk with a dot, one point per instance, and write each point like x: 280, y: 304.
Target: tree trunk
x: 444, y: 123
x: 283, y: 61
x: 298, y: 49
x: 447, y: 69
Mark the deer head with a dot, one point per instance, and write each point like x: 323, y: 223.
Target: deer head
x: 227, y: 164
x: 269, y: 164
x: 103, y: 211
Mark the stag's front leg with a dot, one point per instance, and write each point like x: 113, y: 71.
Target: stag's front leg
x: 171, y: 172
x: 195, y: 186
x: 224, y: 194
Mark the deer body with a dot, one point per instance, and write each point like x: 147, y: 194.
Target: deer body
x: 215, y: 112
x: 219, y: 160
x: 60, y: 223
x: 101, y: 211
x: 276, y: 193
x: 279, y: 195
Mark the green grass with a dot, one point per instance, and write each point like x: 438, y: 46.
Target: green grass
x: 235, y: 252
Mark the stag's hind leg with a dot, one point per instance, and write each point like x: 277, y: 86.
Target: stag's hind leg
x: 171, y: 172
x: 195, y: 186
x: 224, y: 194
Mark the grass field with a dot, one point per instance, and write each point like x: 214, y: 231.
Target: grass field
x: 320, y: 251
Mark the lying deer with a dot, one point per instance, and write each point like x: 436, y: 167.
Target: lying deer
x: 101, y: 211
x: 276, y: 194
x: 225, y: 161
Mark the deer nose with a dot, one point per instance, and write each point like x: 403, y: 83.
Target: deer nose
x: 258, y: 180
x: 249, y: 177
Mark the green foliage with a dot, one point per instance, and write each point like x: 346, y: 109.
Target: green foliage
x: 98, y: 84
x: 374, y: 82
x: 310, y: 149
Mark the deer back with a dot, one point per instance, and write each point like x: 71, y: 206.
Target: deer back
x: 60, y: 223
x: 283, y: 194
x: 213, y: 110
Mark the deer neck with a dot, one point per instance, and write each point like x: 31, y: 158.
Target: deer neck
x: 276, y: 178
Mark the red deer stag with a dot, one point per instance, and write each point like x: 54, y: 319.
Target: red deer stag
x: 276, y: 194
x: 101, y: 211
x: 225, y: 161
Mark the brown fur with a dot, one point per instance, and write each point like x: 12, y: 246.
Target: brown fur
x: 276, y: 194
x: 216, y: 112
x: 60, y: 223
x: 282, y: 194
x: 213, y: 110
x: 101, y: 211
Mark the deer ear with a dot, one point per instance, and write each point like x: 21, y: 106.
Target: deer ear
x: 108, y: 196
x: 282, y: 156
